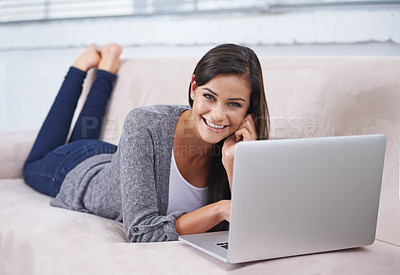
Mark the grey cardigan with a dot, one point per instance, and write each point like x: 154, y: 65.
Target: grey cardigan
x: 131, y: 185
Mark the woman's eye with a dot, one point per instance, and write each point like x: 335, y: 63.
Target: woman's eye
x: 209, y: 97
x: 235, y: 104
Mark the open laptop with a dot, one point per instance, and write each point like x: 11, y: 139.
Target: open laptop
x: 300, y: 196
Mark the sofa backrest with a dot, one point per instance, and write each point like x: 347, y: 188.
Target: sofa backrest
x: 307, y: 97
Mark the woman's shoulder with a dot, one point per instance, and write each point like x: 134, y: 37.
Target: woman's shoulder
x: 163, y: 109
x: 154, y: 116
x: 155, y: 112
x: 156, y: 121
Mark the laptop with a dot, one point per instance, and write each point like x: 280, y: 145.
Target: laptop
x: 299, y: 196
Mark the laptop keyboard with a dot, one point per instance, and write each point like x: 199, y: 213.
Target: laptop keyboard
x: 223, y: 245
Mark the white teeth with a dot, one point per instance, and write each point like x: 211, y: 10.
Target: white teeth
x: 213, y: 125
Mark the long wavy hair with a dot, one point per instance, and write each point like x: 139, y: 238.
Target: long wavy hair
x: 231, y: 59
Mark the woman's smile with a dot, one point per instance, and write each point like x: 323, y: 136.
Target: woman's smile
x: 214, y: 126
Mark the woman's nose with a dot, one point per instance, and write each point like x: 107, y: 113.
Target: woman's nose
x: 218, y: 114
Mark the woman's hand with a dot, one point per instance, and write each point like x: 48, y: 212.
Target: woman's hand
x: 246, y: 132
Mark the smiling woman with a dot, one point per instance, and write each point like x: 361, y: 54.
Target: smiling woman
x: 171, y: 172
x: 228, y: 99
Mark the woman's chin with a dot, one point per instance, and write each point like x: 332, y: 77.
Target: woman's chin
x: 212, y: 140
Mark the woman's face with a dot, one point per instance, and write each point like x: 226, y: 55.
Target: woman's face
x: 220, y: 106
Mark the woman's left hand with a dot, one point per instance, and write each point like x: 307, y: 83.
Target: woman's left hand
x: 245, y: 132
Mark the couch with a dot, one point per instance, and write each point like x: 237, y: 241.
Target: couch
x: 307, y: 97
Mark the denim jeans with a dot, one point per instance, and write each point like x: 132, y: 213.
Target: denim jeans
x: 52, y: 157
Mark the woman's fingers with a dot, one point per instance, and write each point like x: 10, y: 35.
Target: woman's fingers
x: 247, y: 131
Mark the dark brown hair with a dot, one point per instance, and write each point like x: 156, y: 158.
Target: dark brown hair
x: 232, y: 59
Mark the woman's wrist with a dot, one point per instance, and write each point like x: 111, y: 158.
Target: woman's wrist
x: 229, y: 172
x: 223, y: 208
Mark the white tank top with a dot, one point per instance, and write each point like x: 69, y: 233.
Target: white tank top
x: 182, y: 195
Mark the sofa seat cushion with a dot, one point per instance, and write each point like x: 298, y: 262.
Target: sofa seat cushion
x: 36, y: 238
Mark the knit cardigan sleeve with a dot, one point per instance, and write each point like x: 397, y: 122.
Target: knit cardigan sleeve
x: 140, y: 193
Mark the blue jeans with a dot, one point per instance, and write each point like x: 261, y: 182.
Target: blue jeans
x: 51, y: 156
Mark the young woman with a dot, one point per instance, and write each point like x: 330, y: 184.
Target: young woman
x: 172, y: 170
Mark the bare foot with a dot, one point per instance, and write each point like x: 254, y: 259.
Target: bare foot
x: 110, y: 57
x: 88, y: 59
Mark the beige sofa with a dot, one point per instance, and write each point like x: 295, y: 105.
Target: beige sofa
x: 309, y: 96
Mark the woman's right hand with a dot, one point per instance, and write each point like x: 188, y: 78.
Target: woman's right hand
x: 224, y: 209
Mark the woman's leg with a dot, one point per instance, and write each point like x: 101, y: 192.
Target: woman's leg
x: 47, y: 165
x: 46, y: 175
x: 55, y: 128
x: 89, y: 122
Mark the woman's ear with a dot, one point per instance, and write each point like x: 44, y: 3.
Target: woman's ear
x: 193, y: 88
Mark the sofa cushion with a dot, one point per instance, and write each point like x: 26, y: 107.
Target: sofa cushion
x: 38, y: 239
x: 15, y: 147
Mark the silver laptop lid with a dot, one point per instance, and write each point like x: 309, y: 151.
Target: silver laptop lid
x: 302, y: 196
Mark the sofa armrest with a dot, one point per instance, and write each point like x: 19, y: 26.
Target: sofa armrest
x: 15, y: 147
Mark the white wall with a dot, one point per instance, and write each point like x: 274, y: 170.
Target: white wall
x: 35, y: 56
